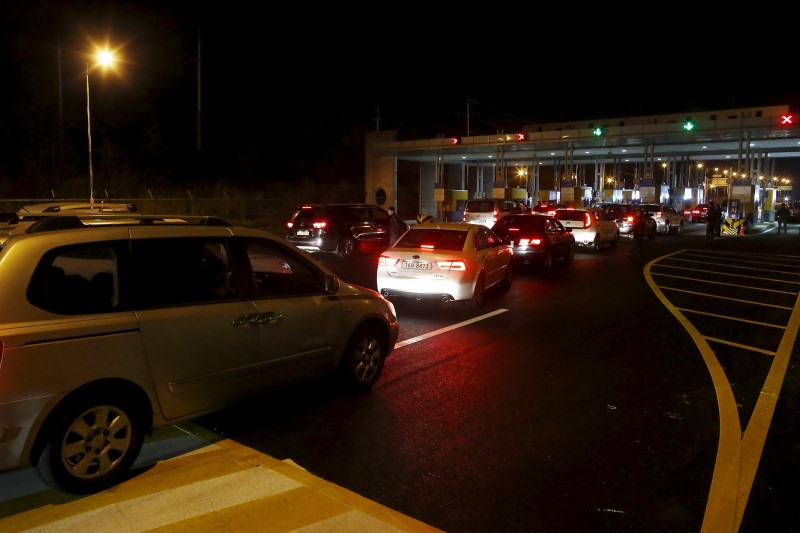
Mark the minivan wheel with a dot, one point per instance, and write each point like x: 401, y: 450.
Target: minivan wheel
x: 362, y: 363
x: 92, y: 446
x: 347, y: 246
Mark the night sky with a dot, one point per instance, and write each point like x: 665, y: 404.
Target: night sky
x: 292, y: 92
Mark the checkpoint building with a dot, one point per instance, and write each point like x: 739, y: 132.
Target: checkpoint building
x: 680, y: 159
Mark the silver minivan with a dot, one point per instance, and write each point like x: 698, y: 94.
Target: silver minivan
x: 114, y: 325
x: 488, y: 211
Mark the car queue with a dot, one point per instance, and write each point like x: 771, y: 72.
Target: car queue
x: 456, y: 262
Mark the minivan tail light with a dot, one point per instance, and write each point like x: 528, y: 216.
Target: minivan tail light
x: 452, y: 265
x: 320, y: 225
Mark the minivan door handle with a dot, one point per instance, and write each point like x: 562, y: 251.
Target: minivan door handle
x: 254, y: 319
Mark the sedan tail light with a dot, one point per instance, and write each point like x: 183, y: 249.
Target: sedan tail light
x: 455, y: 265
x: 386, y: 261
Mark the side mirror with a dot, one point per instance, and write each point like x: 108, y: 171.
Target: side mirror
x: 332, y: 284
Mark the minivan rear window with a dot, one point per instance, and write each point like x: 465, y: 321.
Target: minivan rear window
x: 480, y: 206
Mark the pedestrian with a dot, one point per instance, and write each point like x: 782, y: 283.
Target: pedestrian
x: 396, y: 226
x: 714, y: 214
x: 782, y: 216
x: 639, y: 225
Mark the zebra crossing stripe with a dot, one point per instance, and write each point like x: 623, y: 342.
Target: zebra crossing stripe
x: 180, y: 503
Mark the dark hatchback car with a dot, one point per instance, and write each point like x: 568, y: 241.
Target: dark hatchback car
x: 342, y: 228
x: 537, y: 239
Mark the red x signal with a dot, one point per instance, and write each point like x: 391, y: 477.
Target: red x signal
x: 787, y: 120
x: 521, y: 136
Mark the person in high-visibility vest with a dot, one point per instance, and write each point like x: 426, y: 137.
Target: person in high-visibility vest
x: 422, y: 218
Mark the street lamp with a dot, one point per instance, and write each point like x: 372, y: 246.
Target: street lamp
x: 104, y: 58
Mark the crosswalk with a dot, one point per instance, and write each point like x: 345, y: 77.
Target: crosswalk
x: 219, y: 486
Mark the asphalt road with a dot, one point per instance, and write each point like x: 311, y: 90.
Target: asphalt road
x: 609, y: 395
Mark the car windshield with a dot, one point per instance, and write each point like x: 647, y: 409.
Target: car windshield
x: 435, y: 239
x: 526, y: 225
x: 570, y: 214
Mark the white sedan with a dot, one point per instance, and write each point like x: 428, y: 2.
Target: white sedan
x: 447, y: 261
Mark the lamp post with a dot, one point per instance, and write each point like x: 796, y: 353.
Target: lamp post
x: 105, y: 58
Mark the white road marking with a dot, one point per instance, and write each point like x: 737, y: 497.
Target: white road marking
x: 449, y: 328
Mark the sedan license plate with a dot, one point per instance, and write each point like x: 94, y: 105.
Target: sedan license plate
x: 415, y: 265
x: 303, y: 232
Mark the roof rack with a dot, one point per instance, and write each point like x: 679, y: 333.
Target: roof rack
x: 55, y: 222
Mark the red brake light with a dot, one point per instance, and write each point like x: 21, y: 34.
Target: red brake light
x: 524, y: 242
x: 587, y: 222
x: 630, y: 218
x: 452, y: 265
x: 427, y: 246
x: 289, y: 225
x: 320, y: 225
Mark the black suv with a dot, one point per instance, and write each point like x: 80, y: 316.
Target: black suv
x: 343, y: 228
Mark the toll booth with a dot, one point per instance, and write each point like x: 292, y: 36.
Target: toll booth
x: 648, y: 195
x: 454, y: 202
x: 686, y: 198
x: 517, y: 193
x: 576, y: 196
x: 768, y: 207
x: 548, y: 197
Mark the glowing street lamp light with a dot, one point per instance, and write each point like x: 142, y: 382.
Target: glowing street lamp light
x: 104, y: 58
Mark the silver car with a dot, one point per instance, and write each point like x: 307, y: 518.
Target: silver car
x: 114, y: 325
x: 592, y: 227
x: 667, y: 218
